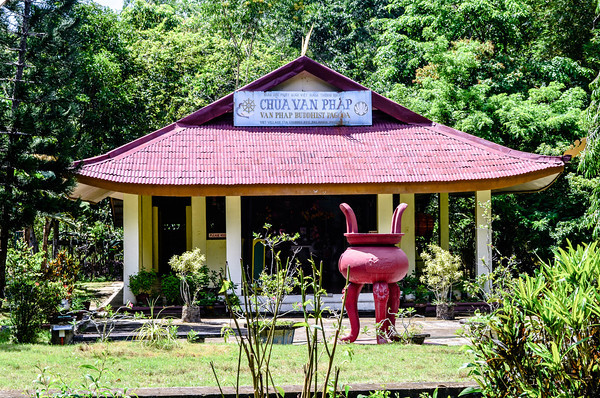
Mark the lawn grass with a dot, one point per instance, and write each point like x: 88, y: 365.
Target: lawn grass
x: 132, y: 365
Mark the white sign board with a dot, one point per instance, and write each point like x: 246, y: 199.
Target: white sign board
x: 62, y: 327
x: 299, y: 108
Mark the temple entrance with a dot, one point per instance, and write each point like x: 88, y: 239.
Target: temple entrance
x: 319, y: 222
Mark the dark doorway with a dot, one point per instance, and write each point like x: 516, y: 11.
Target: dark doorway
x: 319, y: 222
x: 172, y: 238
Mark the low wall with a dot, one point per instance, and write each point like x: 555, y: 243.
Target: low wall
x: 400, y: 390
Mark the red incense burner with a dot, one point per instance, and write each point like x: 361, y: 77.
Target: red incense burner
x: 373, y: 258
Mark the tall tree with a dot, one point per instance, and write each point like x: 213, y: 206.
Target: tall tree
x: 35, y: 120
x: 591, y: 156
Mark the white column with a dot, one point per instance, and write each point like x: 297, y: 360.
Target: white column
x: 199, y: 222
x: 444, y: 222
x: 146, y: 232
x: 483, y: 237
x: 131, y: 242
x: 408, y: 244
x: 385, y: 210
x: 233, y: 243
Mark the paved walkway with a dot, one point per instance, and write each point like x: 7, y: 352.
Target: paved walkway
x: 441, y: 332
x: 210, y: 330
x: 111, y: 294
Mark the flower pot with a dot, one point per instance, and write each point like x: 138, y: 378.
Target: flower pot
x: 142, y: 299
x: 444, y: 311
x: 190, y: 314
x: 419, y: 338
x: 410, y: 297
x: 281, y: 334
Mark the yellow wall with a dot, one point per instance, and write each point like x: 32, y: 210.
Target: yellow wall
x: 216, y: 254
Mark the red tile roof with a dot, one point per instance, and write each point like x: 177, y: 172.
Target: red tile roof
x: 400, y: 152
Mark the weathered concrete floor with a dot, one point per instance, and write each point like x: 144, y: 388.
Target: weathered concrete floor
x: 441, y: 332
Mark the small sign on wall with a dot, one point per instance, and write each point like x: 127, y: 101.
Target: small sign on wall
x: 300, y: 108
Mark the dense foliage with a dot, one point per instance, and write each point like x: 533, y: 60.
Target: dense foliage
x: 544, y: 339
x: 32, y: 294
x: 516, y: 72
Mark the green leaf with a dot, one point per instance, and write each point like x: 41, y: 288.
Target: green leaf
x: 280, y: 390
x: 470, y: 390
x: 225, y: 286
x: 555, y: 353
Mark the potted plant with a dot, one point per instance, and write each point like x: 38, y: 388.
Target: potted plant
x: 270, y: 291
x: 266, y: 294
x: 404, y: 330
x: 442, y: 270
x: 282, y: 332
x: 142, y: 285
x: 192, y: 271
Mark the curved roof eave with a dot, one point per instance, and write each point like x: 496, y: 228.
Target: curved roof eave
x: 93, y: 190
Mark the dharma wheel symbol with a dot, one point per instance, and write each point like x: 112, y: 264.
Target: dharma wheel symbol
x: 248, y: 105
x: 245, y: 108
x: 361, y: 108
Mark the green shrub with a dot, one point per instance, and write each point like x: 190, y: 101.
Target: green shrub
x: 207, y: 298
x: 411, y: 285
x: 170, y: 286
x: 63, y: 269
x: 32, y: 300
x: 143, y: 282
x: 4, y: 335
x: 544, y: 340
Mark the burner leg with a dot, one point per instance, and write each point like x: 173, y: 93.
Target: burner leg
x: 381, y: 294
x: 352, y: 292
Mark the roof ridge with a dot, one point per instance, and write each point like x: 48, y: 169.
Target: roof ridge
x: 270, y: 80
x: 291, y: 69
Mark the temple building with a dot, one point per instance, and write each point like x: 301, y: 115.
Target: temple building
x: 286, y: 150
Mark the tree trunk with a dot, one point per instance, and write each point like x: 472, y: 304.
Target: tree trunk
x: 3, y: 255
x: 30, y: 238
x: 55, y: 237
x: 47, y: 229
